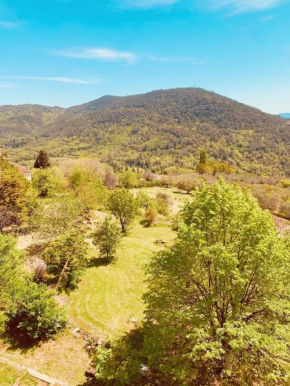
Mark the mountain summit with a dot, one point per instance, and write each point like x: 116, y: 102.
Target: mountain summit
x: 158, y: 129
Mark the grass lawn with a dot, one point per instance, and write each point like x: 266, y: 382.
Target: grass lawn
x: 10, y: 376
x: 63, y: 358
x: 109, y: 295
x: 178, y: 198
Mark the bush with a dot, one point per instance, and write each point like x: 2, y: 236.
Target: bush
x: 46, y: 183
x: 151, y: 215
x: 38, y: 316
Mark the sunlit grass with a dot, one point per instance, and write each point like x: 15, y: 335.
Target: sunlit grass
x: 109, y: 295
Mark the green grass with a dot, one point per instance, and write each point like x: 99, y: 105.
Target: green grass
x: 11, y: 376
x: 108, y: 296
x: 178, y: 198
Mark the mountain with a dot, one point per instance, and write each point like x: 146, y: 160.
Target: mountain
x: 285, y: 115
x: 157, y: 130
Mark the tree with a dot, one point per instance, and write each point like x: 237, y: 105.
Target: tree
x: 42, y: 160
x: 217, y: 306
x: 38, y: 316
x: 45, y: 182
x: 57, y: 216
x: 107, y: 238
x: 66, y: 259
x: 25, y: 307
x: 203, y: 156
x: 87, y: 185
x: 151, y: 214
x: 129, y: 179
x: 14, y: 190
x: 11, y: 267
x: 124, y: 206
x: 188, y: 184
x: 227, y: 315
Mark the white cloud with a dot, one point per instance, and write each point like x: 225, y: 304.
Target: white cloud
x: 99, y: 53
x: 53, y: 79
x: 176, y: 59
x: 7, y: 24
x: 242, y: 6
x: 146, y: 3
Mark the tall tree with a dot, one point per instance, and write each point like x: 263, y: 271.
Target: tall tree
x: 107, y: 237
x: 218, y: 308
x: 13, y: 195
x: 66, y: 259
x: 124, y: 206
x: 42, y: 160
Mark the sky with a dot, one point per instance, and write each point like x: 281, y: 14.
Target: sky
x: 68, y: 52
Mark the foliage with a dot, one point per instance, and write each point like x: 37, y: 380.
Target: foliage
x: 121, y: 362
x: 56, y: 216
x: 38, y: 316
x: 107, y: 238
x: 124, y: 206
x: 87, y: 185
x: 42, y: 160
x: 66, y: 259
x: 153, y: 131
x: 162, y: 205
x: 129, y: 179
x: 13, y: 195
x: 151, y: 214
x: 188, y: 184
x: 218, y: 300
x: 25, y: 307
x: 46, y: 183
x: 143, y: 200
x: 11, y: 267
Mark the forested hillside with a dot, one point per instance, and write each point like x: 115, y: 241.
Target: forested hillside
x: 157, y: 130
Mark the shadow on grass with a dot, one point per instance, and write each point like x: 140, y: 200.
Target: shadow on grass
x: 98, y: 262
x: 18, y: 342
x: 145, y: 223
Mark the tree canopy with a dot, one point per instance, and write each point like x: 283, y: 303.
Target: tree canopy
x: 217, y: 307
x: 42, y: 160
x: 13, y: 195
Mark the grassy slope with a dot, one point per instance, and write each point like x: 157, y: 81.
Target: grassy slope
x: 108, y: 296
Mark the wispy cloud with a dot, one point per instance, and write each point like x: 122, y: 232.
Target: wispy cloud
x: 145, y: 3
x: 176, y: 59
x: 8, y: 24
x: 99, y: 53
x: 243, y: 6
x: 7, y: 85
x: 53, y: 79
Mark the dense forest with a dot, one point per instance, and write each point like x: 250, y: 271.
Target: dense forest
x: 155, y: 130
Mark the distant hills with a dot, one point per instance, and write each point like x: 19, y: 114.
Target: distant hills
x: 159, y: 129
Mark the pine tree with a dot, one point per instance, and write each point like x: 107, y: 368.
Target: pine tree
x: 42, y: 160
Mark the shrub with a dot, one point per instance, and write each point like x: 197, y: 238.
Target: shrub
x: 151, y: 215
x: 38, y: 316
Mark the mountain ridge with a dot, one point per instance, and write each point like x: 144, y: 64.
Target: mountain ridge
x: 155, y: 130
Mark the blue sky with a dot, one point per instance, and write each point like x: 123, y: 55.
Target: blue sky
x: 67, y: 52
